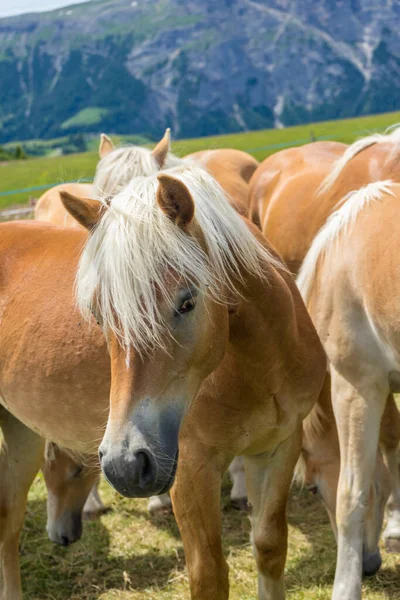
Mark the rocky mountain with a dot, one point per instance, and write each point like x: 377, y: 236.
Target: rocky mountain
x: 200, y: 67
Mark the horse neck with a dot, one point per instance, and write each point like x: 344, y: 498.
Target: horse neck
x: 265, y: 325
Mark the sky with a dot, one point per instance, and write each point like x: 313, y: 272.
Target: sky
x: 18, y: 7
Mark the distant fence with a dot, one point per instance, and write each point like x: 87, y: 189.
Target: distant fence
x: 46, y: 186
x: 16, y: 214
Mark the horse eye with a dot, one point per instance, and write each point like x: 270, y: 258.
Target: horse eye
x: 313, y: 489
x: 187, y: 305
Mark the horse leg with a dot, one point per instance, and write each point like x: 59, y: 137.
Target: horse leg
x: 238, y: 491
x: 162, y: 504
x: 269, y: 477
x: 21, y: 454
x: 196, y: 498
x: 358, y: 415
x: 159, y: 505
x: 94, y: 504
x: 389, y: 441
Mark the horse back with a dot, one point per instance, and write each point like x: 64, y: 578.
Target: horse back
x: 284, y: 201
x: 49, y: 207
x: 233, y: 170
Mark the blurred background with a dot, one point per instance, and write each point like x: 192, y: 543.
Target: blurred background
x: 131, y: 68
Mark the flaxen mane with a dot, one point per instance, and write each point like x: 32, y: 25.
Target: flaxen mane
x: 117, y: 168
x: 392, y: 134
x: 342, y: 220
x: 127, y: 257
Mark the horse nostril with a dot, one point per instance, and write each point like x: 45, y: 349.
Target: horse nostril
x: 64, y: 541
x: 145, y: 467
x: 100, y: 456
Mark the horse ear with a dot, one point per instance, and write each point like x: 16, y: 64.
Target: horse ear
x: 175, y: 200
x: 106, y: 146
x: 160, y: 152
x: 86, y: 211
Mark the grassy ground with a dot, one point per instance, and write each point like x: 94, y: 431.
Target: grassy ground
x: 17, y: 175
x: 128, y: 556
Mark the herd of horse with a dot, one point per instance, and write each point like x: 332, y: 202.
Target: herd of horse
x: 151, y: 325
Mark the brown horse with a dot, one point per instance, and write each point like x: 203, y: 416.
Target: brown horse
x: 296, y: 188
x: 294, y: 191
x: 233, y: 170
x: 69, y: 482
x: 349, y: 280
x: 212, y: 319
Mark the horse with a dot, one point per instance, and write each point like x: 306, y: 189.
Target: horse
x: 292, y: 195
x: 349, y: 282
x: 294, y: 191
x: 72, y: 491
x: 233, y: 170
x: 304, y: 192
x: 209, y: 318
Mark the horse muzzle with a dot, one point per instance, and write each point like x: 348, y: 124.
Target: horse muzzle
x: 65, y: 530
x: 143, y: 461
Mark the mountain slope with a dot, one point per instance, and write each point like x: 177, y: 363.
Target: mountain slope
x: 201, y: 68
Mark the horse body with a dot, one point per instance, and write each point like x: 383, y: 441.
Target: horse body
x: 259, y: 344
x: 49, y: 207
x: 349, y: 280
x: 282, y: 201
x: 70, y: 357
x: 288, y: 198
x: 232, y: 169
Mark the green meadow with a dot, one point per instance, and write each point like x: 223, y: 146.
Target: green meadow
x: 35, y: 172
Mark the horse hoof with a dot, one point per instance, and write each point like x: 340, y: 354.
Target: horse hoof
x: 159, y: 506
x: 371, y: 563
x: 240, y: 504
x: 161, y: 511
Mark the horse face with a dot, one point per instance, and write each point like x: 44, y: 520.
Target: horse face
x: 151, y: 393
x: 68, y: 486
x: 165, y: 335
x: 322, y: 476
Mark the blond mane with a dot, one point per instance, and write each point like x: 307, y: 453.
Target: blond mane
x: 341, y: 221
x: 117, y: 168
x: 126, y: 259
x: 392, y: 135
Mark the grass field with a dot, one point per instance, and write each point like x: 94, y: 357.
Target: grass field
x: 17, y: 175
x: 127, y: 555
